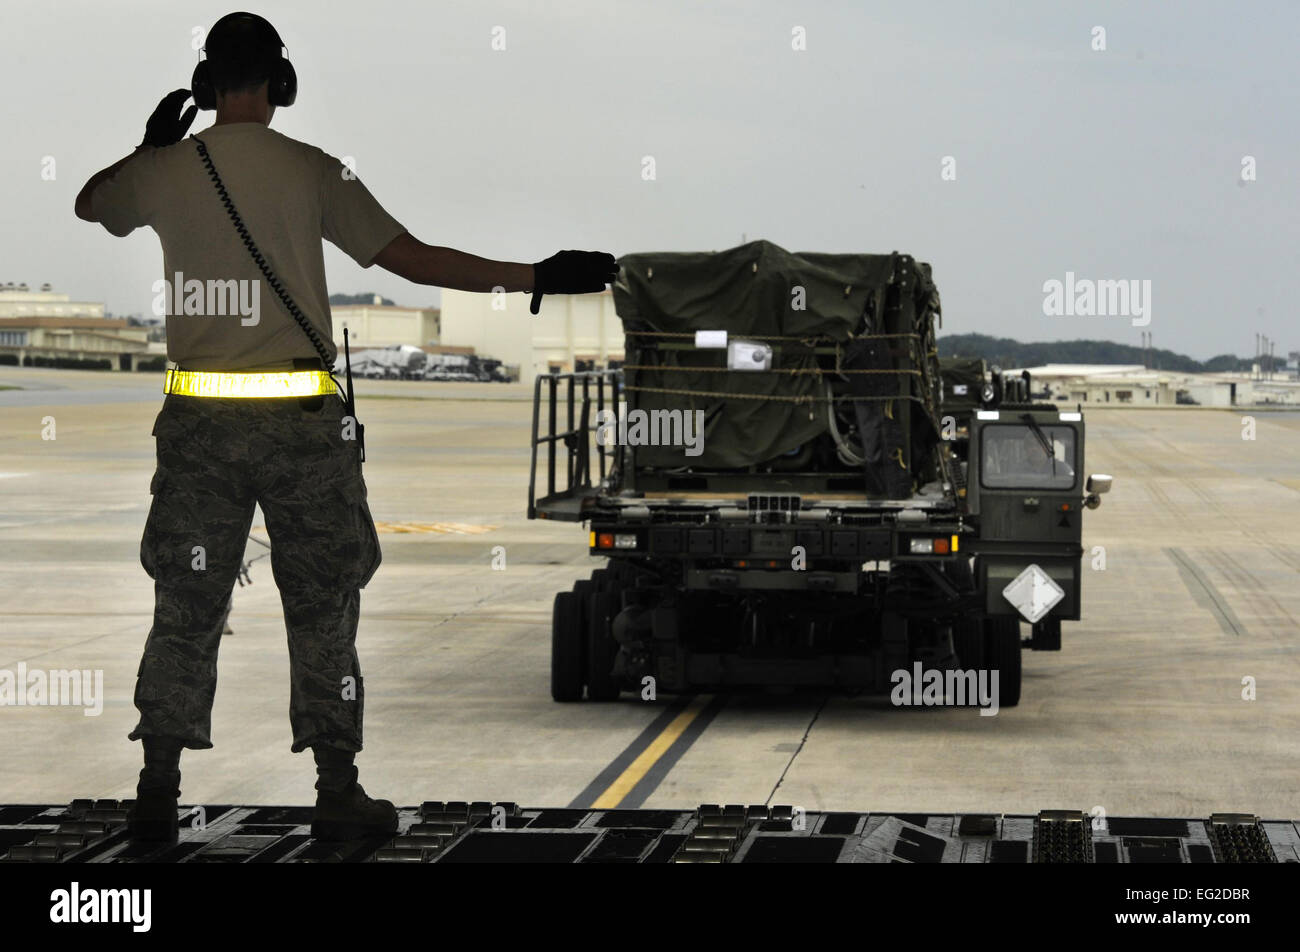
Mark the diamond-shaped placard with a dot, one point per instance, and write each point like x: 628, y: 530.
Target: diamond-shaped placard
x: 1033, y: 593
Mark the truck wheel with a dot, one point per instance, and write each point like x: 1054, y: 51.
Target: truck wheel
x: 960, y: 573
x: 583, y: 589
x: 1002, y: 654
x: 968, y: 642
x: 967, y: 632
x: 566, y: 648
x: 602, y: 649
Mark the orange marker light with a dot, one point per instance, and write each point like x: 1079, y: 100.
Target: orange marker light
x: 940, y: 546
x: 606, y: 540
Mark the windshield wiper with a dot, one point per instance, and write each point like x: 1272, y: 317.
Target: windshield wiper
x: 1039, y: 435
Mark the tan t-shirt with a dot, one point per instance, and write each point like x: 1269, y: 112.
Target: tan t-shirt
x: 289, y: 195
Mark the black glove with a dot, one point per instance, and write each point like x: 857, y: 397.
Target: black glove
x: 167, y: 126
x: 572, y: 272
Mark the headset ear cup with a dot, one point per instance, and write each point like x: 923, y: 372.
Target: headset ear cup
x: 284, y: 84
x: 205, y: 96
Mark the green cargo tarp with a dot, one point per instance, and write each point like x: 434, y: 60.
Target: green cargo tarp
x: 755, y: 291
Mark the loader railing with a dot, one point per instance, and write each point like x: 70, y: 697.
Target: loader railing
x: 584, y: 395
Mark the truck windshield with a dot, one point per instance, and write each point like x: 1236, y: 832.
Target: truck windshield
x: 1016, y: 457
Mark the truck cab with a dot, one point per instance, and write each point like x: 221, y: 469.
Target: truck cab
x: 1024, y: 492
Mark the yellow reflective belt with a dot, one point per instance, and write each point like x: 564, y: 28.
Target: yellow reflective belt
x: 211, y: 383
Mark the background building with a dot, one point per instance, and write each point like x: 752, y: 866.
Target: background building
x: 45, y: 328
x: 572, y: 332
x: 385, y: 325
x: 1135, y: 385
x: 16, y: 300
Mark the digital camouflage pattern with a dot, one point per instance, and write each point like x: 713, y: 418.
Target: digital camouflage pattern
x: 216, y: 459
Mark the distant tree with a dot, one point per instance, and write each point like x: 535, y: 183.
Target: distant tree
x: 1224, y: 363
x: 1006, y: 352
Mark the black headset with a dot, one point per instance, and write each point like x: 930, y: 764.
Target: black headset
x: 282, y: 87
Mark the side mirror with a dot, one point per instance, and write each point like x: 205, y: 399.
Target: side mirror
x: 991, y: 390
x: 1099, y: 483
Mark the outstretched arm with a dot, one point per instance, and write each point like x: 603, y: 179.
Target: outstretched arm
x: 410, y: 258
x: 567, y: 272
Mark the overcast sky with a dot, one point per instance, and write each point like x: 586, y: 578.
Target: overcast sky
x: 1117, y: 164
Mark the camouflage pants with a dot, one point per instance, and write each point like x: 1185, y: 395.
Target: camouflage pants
x: 216, y: 458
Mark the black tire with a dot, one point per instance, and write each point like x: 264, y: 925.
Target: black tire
x: 967, y: 632
x: 583, y: 589
x: 960, y: 574
x: 1002, y: 654
x: 602, y: 649
x: 968, y: 642
x: 566, y: 648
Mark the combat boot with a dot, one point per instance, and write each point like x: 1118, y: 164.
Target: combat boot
x: 154, y: 815
x: 343, y: 810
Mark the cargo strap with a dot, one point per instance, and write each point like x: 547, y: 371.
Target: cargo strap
x: 210, y: 383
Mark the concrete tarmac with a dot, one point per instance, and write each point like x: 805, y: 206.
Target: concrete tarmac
x: 1141, y: 712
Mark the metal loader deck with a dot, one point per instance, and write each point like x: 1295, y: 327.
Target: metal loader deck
x: 87, y: 831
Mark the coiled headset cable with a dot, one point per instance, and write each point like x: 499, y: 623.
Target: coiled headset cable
x: 274, y: 283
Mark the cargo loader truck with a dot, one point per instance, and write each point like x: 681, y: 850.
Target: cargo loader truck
x: 784, y: 487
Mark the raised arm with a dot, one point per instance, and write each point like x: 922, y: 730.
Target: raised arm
x: 83, y: 204
x: 166, y: 125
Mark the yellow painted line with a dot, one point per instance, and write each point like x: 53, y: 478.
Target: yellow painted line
x: 451, y: 528
x: 638, y: 768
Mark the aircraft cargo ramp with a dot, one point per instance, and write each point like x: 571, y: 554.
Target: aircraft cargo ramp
x: 87, y: 831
